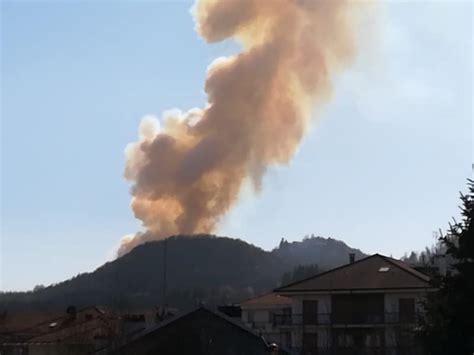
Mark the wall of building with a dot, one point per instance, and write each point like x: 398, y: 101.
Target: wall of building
x: 391, y: 308
x: 260, y: 316
x: 324, y: 310
x: 324, y: 303
x: 392, y: 300
x: 261, y: 321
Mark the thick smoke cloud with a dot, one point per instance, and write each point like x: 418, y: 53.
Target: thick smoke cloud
x: 188, y: 173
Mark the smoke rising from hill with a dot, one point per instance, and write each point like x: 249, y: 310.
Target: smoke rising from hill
x: 188, y: 173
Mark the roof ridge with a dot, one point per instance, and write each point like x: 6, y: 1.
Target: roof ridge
x: 325, y: 272
x: 188, y: 313
x: 407, y: 268
x: 399, y: 264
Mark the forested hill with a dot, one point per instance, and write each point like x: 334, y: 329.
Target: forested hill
x: 325, y: 252
x: 202, y: 268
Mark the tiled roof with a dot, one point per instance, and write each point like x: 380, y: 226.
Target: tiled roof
x: 66, y: 325
x: 376, y: 272
x: 21, y: 320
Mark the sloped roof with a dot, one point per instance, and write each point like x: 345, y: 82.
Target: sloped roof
x: 269, y: 299
x: 188, y: 317
x: 18, y: 321
x: 376, y: 272
x: 192, y: 312
x: 63, y: 327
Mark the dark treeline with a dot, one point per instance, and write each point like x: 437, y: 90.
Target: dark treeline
x: 427, y: 256
x: 449, y: 323
x: 200, y: 269
x: 299, y: 273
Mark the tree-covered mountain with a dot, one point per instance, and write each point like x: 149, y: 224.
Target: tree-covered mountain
x: 202, y: 268
x: 325, y: 252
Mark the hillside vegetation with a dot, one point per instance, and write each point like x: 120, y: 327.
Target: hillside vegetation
x: 202, y: 268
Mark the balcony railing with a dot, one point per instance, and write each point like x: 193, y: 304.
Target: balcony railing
x: 353, y: 318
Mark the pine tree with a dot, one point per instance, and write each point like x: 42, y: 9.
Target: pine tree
x: 449, y: 324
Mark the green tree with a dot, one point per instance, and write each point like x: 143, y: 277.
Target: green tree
x: 299, y: 273
x: 449, y: 323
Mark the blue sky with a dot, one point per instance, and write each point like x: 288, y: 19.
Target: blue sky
x: 380, y: 169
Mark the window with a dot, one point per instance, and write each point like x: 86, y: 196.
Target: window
x: 283, y: 317
x: 345, y: 340
x: 310, y: 312
x: 250, y: 316
x: 286, y: 339
x: 406, y: 307
x: 359, y: 338
x: 358, y: 308
x: 384, y: 269
x: 373, y: 340
x: 310, y: 343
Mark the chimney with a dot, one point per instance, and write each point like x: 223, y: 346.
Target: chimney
x: 71, y: 311
x: 352, y: 257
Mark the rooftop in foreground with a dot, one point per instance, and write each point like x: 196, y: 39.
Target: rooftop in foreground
x: 376, y: 272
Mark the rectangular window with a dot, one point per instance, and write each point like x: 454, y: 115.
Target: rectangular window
x: 250, y: 316
x: 283, y: 317
x: 310, y: 312
x: 358, y: 308
x: 286, y: 339
x: 358, y: 339
x: 406, y: 307
x: 310, y: 343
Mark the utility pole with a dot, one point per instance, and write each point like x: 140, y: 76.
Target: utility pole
x: 165, y: 252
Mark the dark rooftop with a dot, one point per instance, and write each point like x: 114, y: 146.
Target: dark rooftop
x: 376, y: 272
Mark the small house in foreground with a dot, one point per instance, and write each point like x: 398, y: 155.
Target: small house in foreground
x: 199, y: 332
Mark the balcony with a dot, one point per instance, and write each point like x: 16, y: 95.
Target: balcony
x: 354, y: 318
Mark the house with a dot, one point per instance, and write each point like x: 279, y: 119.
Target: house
x: 266, y: 314
x: 369, y: 306
x: 199, y: 332
x: 75, y: 332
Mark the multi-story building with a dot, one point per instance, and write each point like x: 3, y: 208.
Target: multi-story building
x: 266, y: 314
x: 369, y: 306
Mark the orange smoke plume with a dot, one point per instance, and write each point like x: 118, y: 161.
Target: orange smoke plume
x: 188, y: 173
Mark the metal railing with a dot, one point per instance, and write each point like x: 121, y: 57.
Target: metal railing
x: 340, y: 333
x: 352, y: 318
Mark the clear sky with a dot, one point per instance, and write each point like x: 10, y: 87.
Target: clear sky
x: 381, y: 169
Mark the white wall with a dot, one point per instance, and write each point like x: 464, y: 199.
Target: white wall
x: 259, y: 315
x: 324, y: 303
x: 324, y: 310
x: 392, y: 300
x: 392, y: 307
